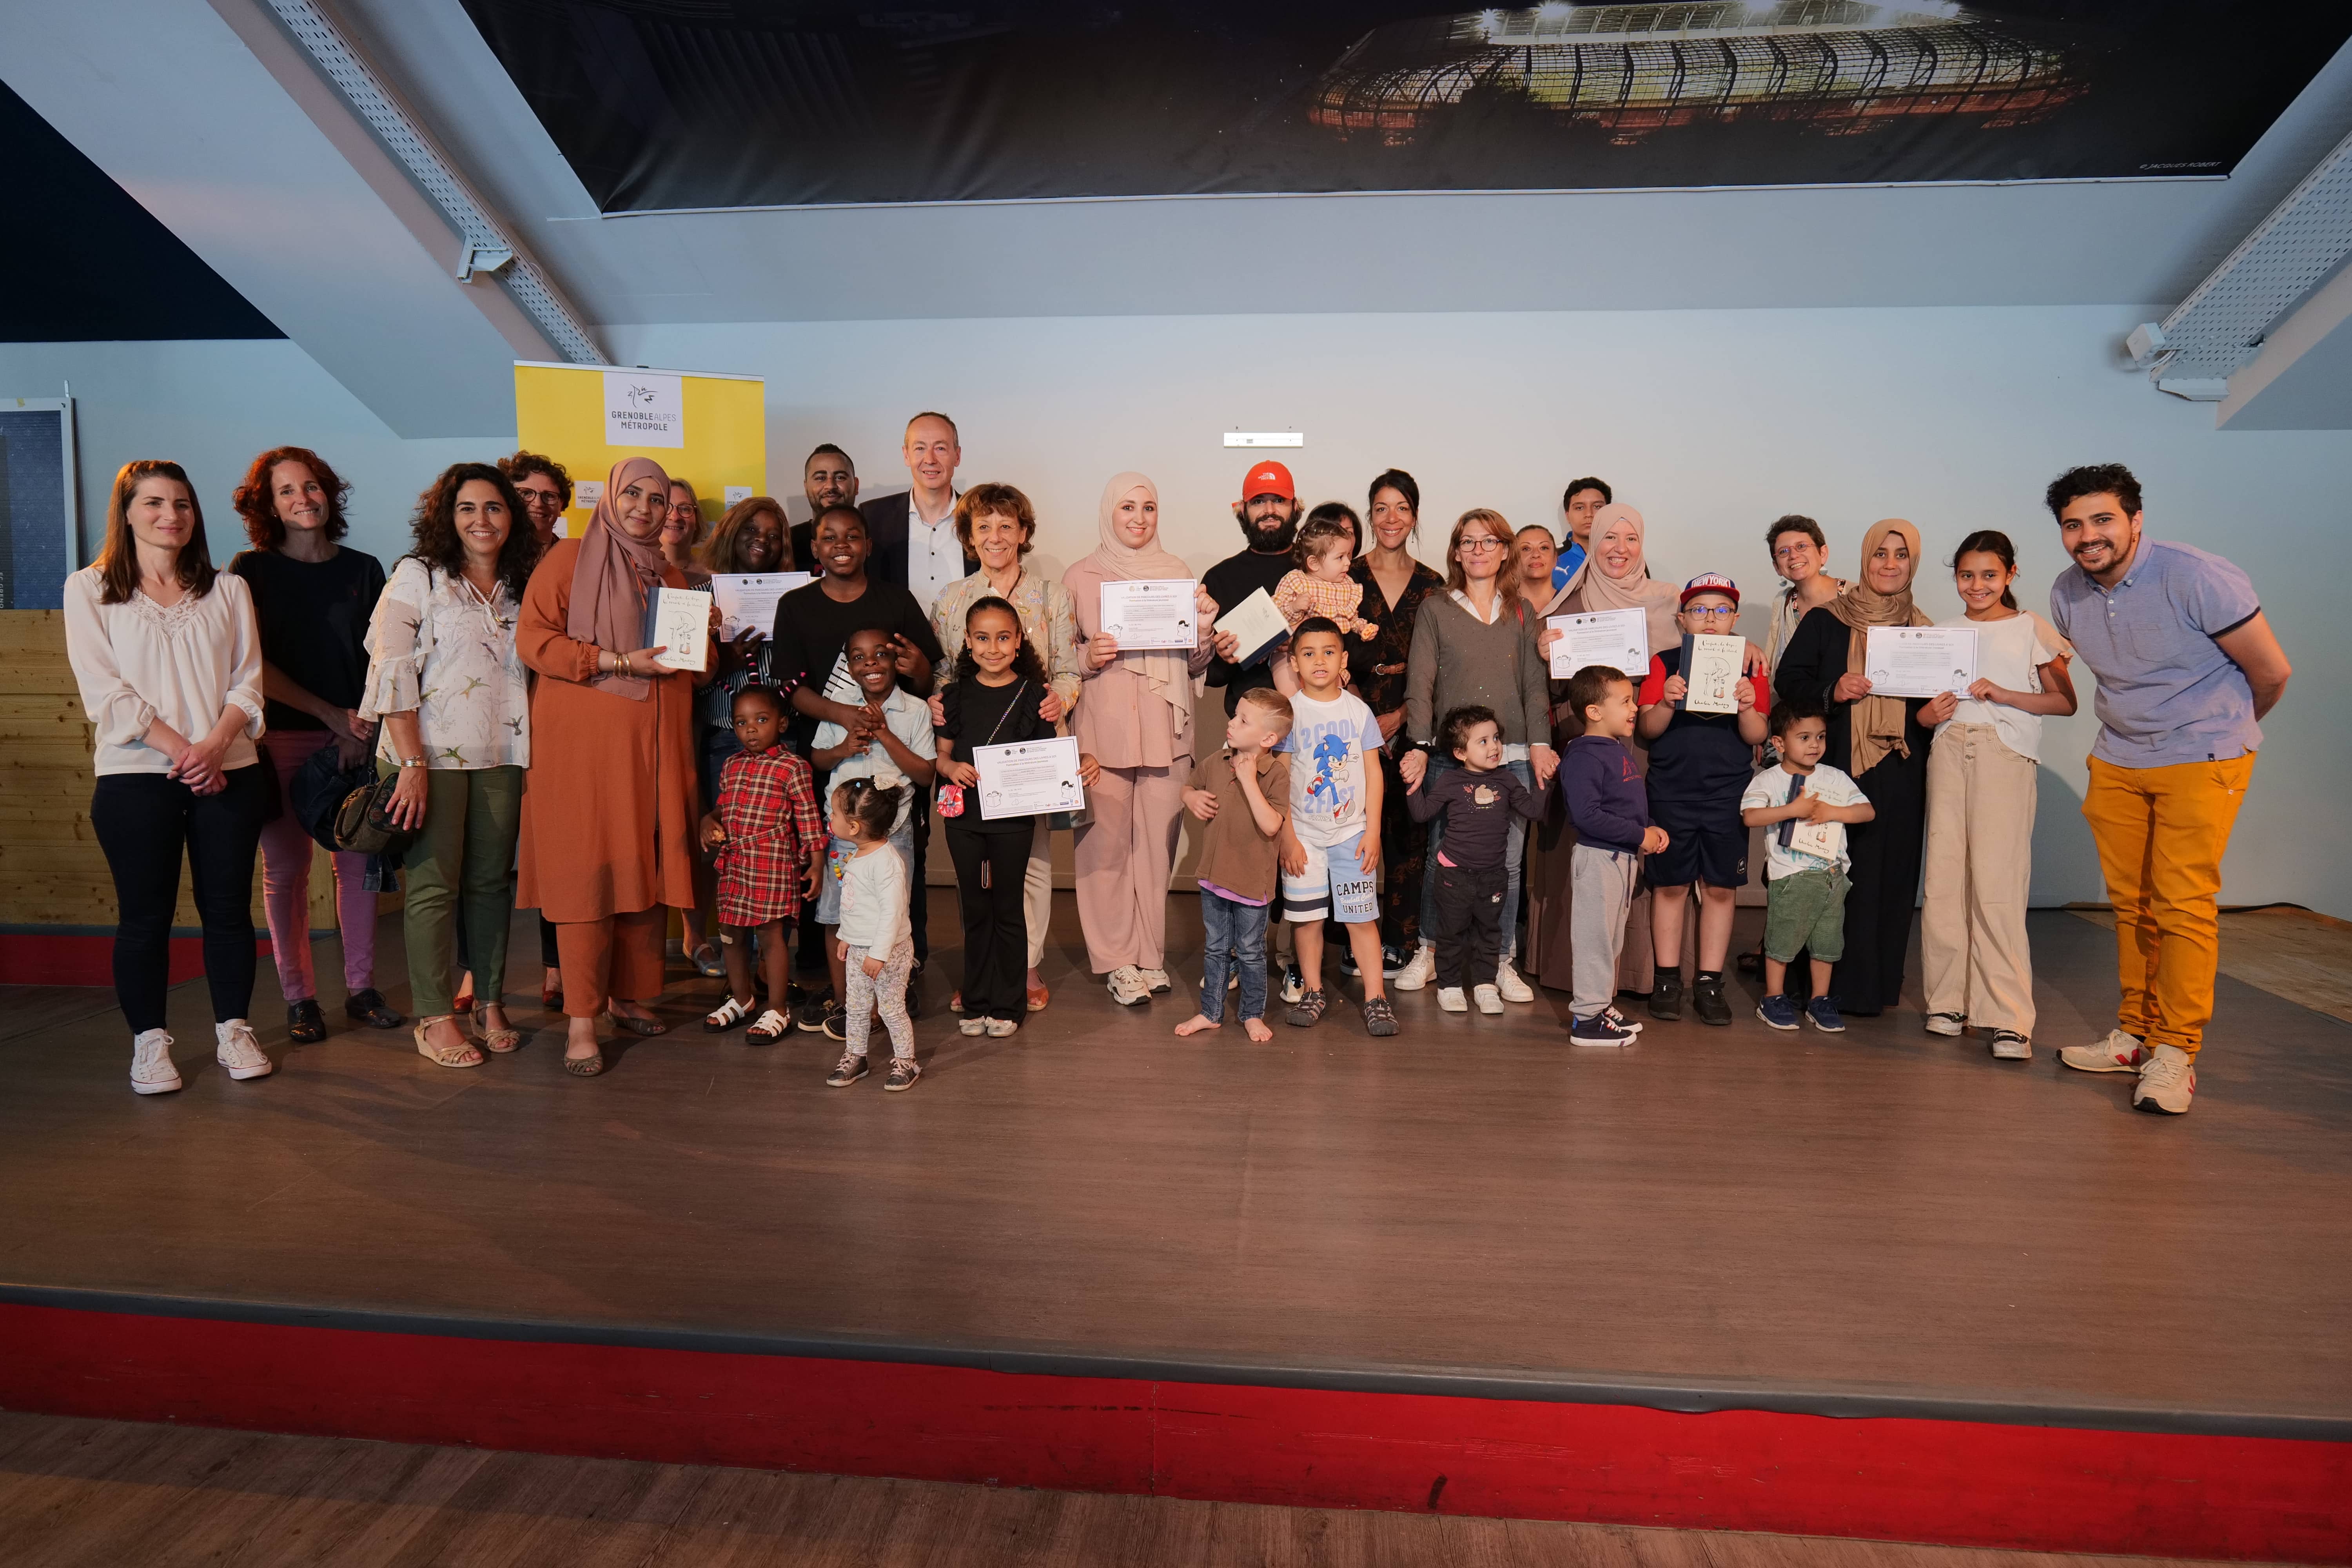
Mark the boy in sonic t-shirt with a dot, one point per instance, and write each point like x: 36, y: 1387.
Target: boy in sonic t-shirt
x: 1331, y: 843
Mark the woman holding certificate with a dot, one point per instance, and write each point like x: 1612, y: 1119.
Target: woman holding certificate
x: 1613, y: 576
x: 997, y: 523
x: 1879, y: 741
x: 1136, y: 720
x: 607, y: 822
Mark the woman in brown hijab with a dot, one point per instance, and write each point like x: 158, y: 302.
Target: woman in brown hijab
x: 1880, y: 742
x: 608, y: 807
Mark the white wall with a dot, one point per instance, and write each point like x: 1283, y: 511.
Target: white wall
x: 1711, y: 422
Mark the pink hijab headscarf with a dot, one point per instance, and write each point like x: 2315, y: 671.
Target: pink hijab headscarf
x: 611, y: 575
x: 1165, y: 670
x: 1634, y: 591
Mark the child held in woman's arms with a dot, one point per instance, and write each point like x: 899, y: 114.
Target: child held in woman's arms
x: 887, y: 744
x: 1610, y: 813
x: 997, y: 700
x: 1477, y: 800
x: 1699, y: 766
x: 1806, y: 803
x: 874, y: 944
x: 1320, y: 586
x: 1242, y: 793
x: 769, y: 845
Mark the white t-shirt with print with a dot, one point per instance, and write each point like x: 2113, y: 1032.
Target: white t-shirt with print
x: 1813, y: 845
x: 1328, y: 741
x: 2010, y: 654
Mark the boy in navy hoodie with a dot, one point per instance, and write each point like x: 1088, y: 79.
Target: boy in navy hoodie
x: 1610, y: 812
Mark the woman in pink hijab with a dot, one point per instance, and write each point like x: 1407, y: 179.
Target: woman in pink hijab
x: 1135, y: 717
x: 608, y: 809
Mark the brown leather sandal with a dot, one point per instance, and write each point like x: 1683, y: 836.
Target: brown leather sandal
x: 460, y: 1056
x: 500, y: 1040
x: 647, y: 1027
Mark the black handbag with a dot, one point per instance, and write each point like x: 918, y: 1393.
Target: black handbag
x: 319, y: 787
x: 364, y: 824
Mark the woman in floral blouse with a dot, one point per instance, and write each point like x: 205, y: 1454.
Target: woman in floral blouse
x: 453, y: 697
x: 997, y: 523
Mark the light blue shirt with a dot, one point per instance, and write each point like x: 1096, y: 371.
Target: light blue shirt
x: 2168, y: 694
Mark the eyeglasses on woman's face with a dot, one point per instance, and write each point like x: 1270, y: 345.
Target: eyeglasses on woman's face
x: 1481, y: 544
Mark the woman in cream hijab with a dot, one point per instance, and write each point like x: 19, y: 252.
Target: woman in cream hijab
x: 1135, y: 718
x: 1881, y: 742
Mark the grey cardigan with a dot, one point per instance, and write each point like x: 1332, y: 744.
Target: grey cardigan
x: 1456, y: 662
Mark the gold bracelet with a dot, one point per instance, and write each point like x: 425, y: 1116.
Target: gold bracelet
x: 623, y: 669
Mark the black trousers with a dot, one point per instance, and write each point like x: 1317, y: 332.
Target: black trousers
x: 991, y: 871
x: 1886, y: 852
x: 1469, y: 923
x: 919, y: 891
x: 144, y: 822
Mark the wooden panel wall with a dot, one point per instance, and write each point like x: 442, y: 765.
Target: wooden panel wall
x: 51, y: 871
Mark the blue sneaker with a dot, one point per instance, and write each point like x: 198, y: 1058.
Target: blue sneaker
x: 1777, y: 1011
x: 1823, y: 1012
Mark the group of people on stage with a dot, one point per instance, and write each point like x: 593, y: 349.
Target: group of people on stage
x: 1399, y: 769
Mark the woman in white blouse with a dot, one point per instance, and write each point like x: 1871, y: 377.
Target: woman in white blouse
x: 165, y: 652
x: 454, y: 704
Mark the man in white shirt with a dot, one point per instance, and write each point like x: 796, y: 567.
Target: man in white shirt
x: 914, y: 535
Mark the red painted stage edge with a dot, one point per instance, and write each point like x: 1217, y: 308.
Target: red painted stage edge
x: 1948, y: 1482
x: 70, y: 958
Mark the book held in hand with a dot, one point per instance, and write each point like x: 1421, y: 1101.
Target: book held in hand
x: 677, y: 621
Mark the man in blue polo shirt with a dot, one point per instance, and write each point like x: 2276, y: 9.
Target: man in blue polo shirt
x: 2186, y: 667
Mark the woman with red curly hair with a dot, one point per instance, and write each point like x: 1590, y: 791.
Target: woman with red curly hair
x: 312, y: 598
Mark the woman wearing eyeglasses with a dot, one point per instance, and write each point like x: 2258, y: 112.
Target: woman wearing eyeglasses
x: 1475, y: 643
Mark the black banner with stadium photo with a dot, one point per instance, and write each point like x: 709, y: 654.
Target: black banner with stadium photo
x: 670, y: 104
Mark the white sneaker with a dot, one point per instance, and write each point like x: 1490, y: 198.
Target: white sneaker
x: 1155, y: 981
x: 2119, y: 1052
x: 1508, y: 984
x: 151, y: 1071
x: 1416, y: 976
x: 1490, y: 1001
x: 2009, y: 1045
x: 239, y: 1052
x: 1450, y: 1000
x: 971, y: 1026
x: 2166, y: 1082
x: 1949, y: 1024
x: 1126, y: 987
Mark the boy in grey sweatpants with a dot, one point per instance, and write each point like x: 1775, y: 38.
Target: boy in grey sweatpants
x: 1610, y: 810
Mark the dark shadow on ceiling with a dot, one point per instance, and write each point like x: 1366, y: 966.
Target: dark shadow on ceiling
x: 88, y: 263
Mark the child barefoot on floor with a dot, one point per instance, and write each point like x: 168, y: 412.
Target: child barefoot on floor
x: 1242, y: 793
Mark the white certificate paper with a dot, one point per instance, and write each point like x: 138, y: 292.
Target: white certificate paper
x: 1161, y: 614
x: 748, y: 599
x: 677, y: 621
x: 1617, y: 639
x: 1029, y: 777
x: 1256, y: 623
x: 1711, y: 672
x: 1919, y: 662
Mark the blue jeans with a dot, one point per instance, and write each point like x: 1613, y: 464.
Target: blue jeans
x: 1234, y: 934
x: 1515, y: 857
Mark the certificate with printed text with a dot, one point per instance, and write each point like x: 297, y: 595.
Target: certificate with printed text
x: 1160, y: 613
x: 1919, y: 662
x: 1029, y: 777
x: 1619, y: 640
x: 747, y: 600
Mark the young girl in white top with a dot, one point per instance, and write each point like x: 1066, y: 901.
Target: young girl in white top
x: 168, y: 659
x: 875, y: 943
x: 1981, y: 792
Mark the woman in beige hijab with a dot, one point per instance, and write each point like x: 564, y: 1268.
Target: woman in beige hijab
x: 1135, y: 718
x: 1881, y: 742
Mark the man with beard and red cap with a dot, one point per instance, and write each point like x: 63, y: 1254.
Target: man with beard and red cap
x: 1268, y: 513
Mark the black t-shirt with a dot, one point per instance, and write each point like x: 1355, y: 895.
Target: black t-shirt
x: 313, y: 621
x: 979, y: 715
x: 1699, y: 760
x: 812, y: 628
x: 1229, y: 582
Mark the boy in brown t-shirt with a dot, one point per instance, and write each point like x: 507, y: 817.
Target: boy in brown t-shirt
x: 1241, y: 793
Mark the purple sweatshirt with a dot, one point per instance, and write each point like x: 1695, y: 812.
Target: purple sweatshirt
x: 1606, y: 801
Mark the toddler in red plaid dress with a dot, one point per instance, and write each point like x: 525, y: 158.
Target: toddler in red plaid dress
x: 769, y: 845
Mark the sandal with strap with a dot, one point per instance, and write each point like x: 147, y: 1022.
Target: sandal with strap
x: 501, y: 1039
x: 726, y: 1015
x: 460, y: 1056
x: 647, y: 1026
x: 772, y: 1026
x: 585, y: 1067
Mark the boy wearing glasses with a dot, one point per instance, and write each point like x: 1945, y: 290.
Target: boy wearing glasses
x: 1699, y: 766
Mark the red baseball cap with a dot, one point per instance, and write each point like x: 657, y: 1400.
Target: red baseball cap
x: 1711, y: 582
x: 1269, y: 479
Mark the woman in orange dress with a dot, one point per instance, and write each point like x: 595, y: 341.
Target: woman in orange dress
x: 609, y: 806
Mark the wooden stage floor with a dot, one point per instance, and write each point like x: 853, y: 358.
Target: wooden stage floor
x: 1882, y: 1217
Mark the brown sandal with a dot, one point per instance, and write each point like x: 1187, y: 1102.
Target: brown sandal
x: 501, y: 1040
x: 444, y: 1056
x: 585, y: 1067
x: 647, y: 1027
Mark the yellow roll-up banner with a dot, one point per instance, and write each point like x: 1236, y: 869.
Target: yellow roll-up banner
x: 709, y: 430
